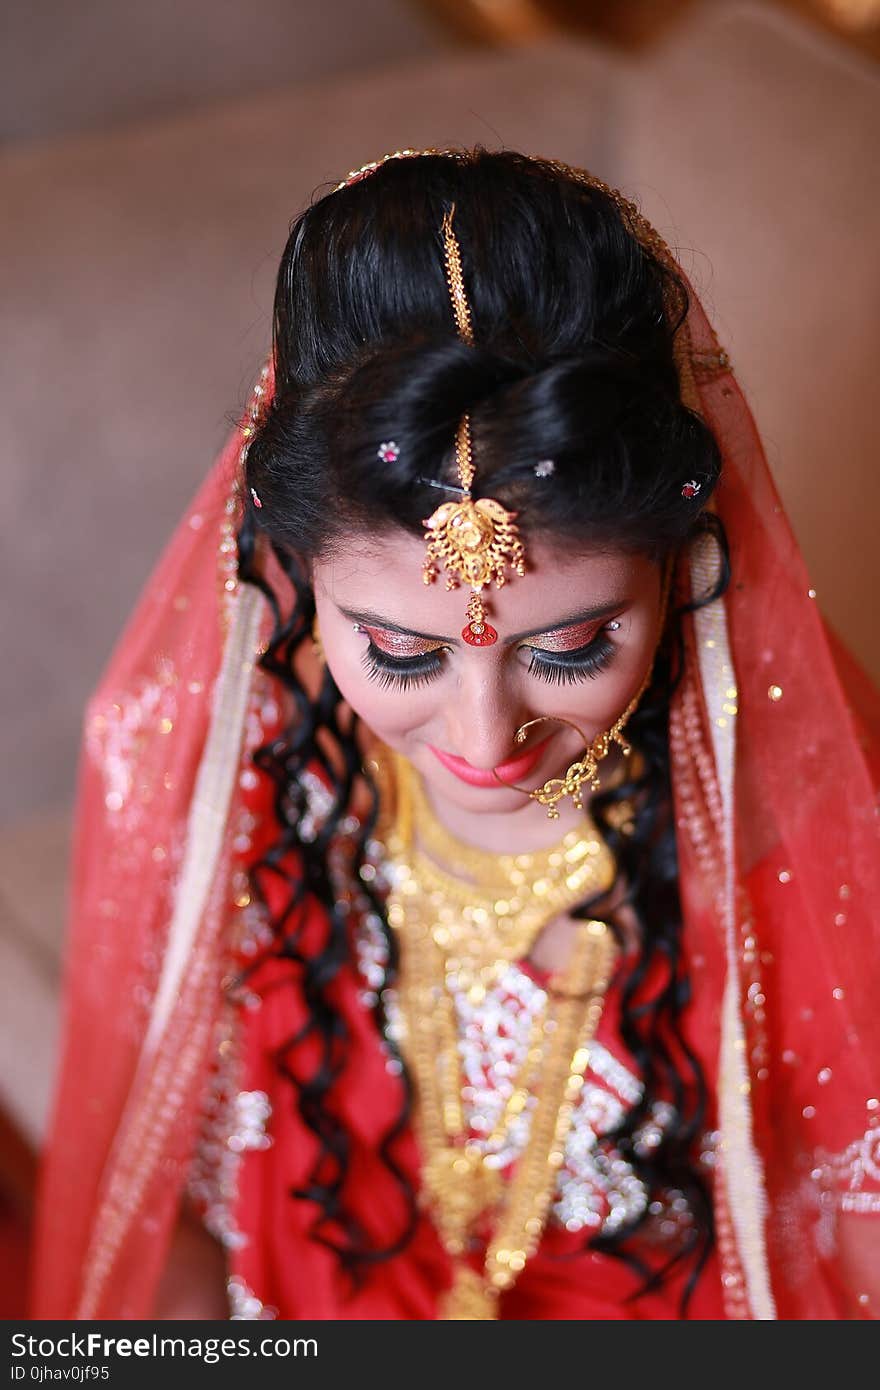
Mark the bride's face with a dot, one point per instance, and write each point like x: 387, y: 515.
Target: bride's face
x: 576, y: 636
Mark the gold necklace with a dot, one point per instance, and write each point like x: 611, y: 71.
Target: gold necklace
x: 497, y: 917
x: 462, y: 1190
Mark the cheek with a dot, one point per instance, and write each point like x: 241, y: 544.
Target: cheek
x: 595, y: 704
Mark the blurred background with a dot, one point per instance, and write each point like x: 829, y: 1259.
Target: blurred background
x: 152, y: 159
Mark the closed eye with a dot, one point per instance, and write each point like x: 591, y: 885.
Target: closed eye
x: 401, y: 672
x: 584, y: 663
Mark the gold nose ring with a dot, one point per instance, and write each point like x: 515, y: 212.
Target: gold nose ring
x: 585, y: 770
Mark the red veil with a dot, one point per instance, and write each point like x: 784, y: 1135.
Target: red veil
x: 777, y: 827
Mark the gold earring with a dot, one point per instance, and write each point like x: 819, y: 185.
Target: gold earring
x: 317, y: 644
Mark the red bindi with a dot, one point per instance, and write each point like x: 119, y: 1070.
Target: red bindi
x: 479, y: 634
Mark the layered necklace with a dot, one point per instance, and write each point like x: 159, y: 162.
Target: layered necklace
x: 462, y: 915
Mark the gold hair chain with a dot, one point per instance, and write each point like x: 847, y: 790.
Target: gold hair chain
x: 474, y: 541
x: 455, y: 281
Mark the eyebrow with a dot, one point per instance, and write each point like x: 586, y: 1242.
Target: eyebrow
x: 585, y: 615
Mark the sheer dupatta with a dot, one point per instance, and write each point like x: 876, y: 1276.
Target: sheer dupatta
x: 777, y: 832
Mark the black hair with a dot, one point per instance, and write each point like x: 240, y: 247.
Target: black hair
x: 575, y: 322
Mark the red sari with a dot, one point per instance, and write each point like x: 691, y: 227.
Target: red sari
x: 278, y: 1271
x: 774, y: 766
x: 283, y: 1271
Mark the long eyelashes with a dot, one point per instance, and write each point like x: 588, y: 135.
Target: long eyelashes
x: 564, y: 671
x: 389, y: 671
x: 584, y: 664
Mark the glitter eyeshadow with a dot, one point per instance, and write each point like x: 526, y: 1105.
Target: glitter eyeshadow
x: 569, y: 640
x: 398, y: 643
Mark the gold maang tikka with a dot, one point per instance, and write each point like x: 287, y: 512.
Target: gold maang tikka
x: 586, y: 770
x: 474, y: 540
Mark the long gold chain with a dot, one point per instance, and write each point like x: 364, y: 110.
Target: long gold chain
x: 466, y: 1194
x: 576, y: 1008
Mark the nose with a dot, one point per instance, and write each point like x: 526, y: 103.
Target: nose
x: 482, y: 718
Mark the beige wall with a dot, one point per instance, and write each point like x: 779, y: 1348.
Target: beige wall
x: 68, y: 67
x: 753, y: 147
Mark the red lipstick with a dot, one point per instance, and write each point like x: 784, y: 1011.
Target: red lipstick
x: 512, y: 771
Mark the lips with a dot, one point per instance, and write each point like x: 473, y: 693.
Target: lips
x: 512, y: 771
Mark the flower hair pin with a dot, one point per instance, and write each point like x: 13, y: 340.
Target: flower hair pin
x: 691, y: 488
x: 388, y: 452
x: 544, y: 468
x: 474, y: 540
x: 257, y: 502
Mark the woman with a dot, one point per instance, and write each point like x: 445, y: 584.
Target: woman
x: 507, y: 957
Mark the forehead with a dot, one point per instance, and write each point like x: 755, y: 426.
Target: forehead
x: 384, y: 574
